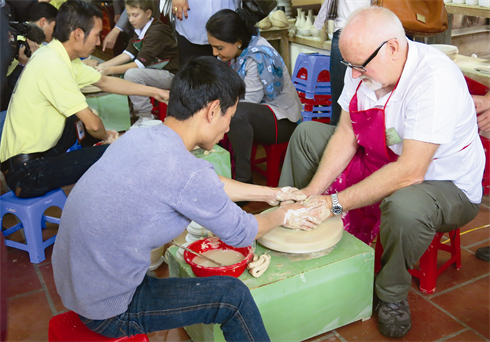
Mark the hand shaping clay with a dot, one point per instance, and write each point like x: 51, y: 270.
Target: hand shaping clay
x: 282, y: 239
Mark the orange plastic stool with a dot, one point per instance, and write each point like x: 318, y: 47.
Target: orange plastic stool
x: 428, y: 272
x: 274, y: 156
x: 68, y: 327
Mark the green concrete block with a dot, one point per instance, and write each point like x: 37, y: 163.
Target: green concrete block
x: 302, y: 295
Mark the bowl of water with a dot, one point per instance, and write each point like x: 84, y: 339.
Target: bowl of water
x: 235, y: 259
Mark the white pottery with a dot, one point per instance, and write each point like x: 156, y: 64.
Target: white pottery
x: 314, y: 32
x: 304, y: 31
x: 307, y: 23
x: 484, y: 3
x: 472, y: 2
x: 298, y: 17
x: 310, y: 16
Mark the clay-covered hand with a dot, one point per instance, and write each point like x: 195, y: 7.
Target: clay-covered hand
x: 111, y: 137
x: 319, y: 207
x: 299, y: 217
x: 288, y: 194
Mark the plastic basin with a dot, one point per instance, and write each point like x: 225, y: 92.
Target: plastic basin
x: 208, y: 244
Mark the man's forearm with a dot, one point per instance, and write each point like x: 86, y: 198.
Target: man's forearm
x: 238, y: 191
x: 100, y: 132
x: 123, y: 87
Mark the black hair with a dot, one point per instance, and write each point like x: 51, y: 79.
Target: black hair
x: 75, y: 14
x: 145, y: 5
x: 230, y: 26
x: 40, y: 10
x: 201, y: 81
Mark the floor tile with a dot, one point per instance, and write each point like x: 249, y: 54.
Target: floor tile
x: 428, y: 324
x: 482, y: 219
x: 467, y: 336
x: 28, y: 318
x: 470, y: 304
x: 471, y: 267
x: 47, y: 274
x: 479, y: 245
x: 174, y: 335
x: 22, y: 276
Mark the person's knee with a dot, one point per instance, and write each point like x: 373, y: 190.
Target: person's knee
x: 404, y: 209
x: 131, y: 75
x: 234, y: 290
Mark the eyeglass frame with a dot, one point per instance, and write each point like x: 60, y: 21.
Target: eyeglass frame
x: 362, y: 68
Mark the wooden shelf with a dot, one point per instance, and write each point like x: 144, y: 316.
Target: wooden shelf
x: 475, y: 11
x: 313, y: 43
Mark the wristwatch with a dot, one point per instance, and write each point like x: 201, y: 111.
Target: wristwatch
x: 336, y: 207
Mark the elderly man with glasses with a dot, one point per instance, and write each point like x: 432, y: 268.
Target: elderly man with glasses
x: 405, y: 161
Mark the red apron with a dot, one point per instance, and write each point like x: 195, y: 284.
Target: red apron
x: 371, y: 155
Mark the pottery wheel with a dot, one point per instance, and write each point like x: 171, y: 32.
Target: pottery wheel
x: 287, y: 240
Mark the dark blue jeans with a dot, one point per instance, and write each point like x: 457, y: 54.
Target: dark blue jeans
x: 337, y: 74
x: 56, y: 168
x: 162, y: 304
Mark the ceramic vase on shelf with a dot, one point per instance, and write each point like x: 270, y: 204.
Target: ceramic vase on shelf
x: 298, y: 18
x: 311, y: 17
x: 308, y: 22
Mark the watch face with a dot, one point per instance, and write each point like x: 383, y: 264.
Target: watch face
x: 337, y: 210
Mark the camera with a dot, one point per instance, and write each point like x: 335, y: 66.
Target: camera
x: 28, y: 31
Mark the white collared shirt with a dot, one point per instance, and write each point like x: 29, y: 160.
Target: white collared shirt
x: 431, y: 104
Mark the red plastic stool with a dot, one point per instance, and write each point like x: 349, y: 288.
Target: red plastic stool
x: 159, y: 109
x: 68, y: 327
x: 428, y: 272
x: 274, y: 156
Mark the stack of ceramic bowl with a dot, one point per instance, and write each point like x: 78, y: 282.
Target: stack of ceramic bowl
x: 195, y: 232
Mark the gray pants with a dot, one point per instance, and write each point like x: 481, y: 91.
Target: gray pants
x: 150, y: 77
x: 410, y: 217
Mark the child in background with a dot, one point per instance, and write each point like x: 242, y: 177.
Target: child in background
x: 151, y: 57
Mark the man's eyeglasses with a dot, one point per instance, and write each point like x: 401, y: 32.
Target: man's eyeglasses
x: 362, y: 68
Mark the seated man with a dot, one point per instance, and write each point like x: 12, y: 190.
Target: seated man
x: 152, y: 55
x: 407, y: 137
x: 102, y: 251
x: 43, y: 116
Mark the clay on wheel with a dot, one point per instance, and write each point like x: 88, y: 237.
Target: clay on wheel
x: 283, y: 239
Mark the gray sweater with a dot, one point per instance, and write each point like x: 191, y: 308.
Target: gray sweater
x: 135, y: 199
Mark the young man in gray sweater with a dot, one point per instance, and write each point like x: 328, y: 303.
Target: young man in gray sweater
x: 134, y: 200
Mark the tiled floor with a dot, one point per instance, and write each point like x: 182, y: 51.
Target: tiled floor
x: 458, y: 311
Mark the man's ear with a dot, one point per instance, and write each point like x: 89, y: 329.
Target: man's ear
x: 78, y: 34
x: 42, y: 22
x: 212, y: 110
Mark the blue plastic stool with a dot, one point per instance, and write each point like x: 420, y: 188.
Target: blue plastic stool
x: 318, y: 112
x: 311, y: 74
x: 30, y: 212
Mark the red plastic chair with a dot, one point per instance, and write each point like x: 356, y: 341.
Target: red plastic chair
x: 274, y: 157
x: 67, y: 327
x: 428, y: 272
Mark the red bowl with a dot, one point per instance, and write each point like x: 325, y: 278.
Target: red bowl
x: 208, y: 244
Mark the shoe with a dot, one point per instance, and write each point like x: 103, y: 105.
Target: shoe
x: 394, y: 319
x: 142, y: 119
x: 483, y: 253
